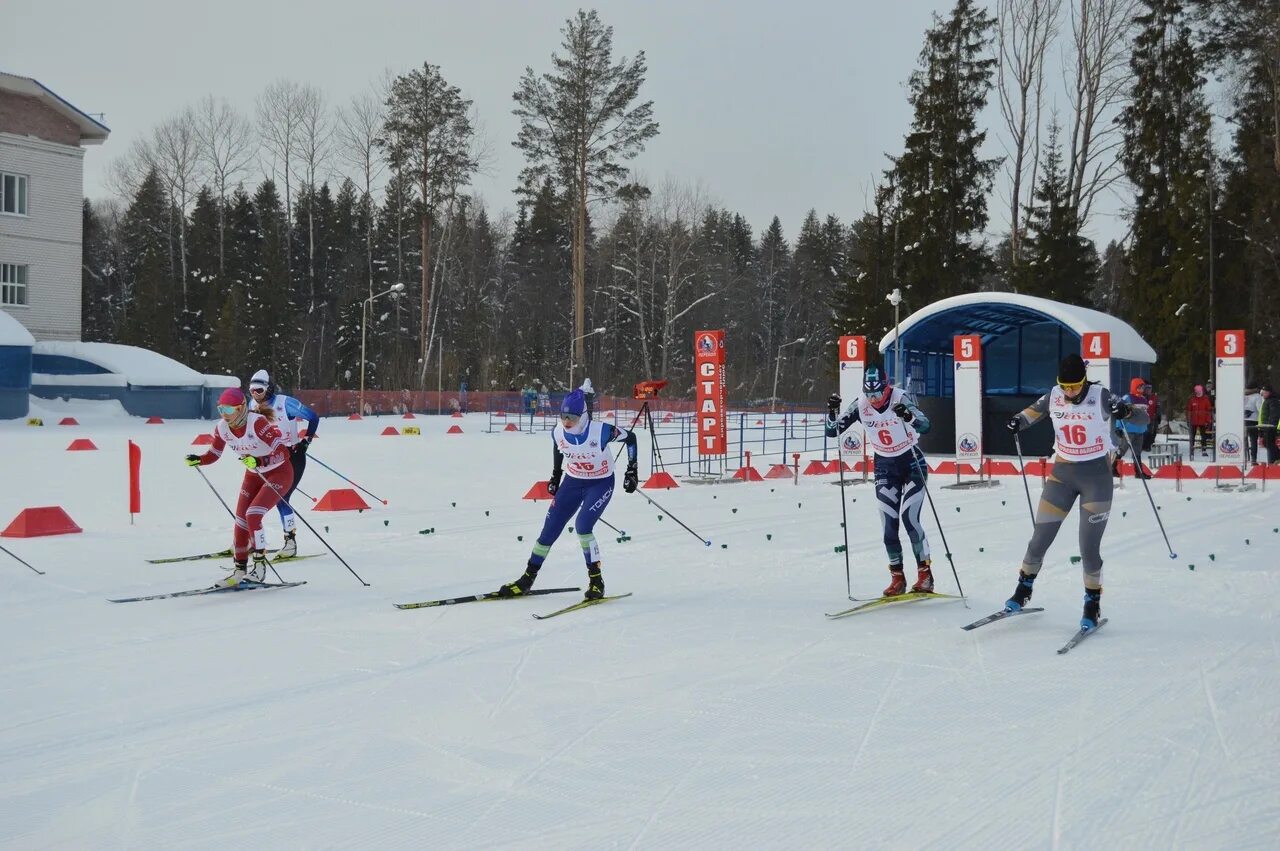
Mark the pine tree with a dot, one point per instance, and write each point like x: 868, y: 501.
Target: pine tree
x: 859, y: 306
x: 941, y: 182
x: 577, y: 126
x: 204, y: 286
x: 150, y: 313
x: 97, y: 322
x: 272, y: 321
x: 1058, y: 263
x: 231, y: 333
x: 1166, y: 158
x: 773, y: 307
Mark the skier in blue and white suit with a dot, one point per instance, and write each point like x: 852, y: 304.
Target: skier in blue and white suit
x: 289, y: 412
x: 893, y: 424
x: 581, y: 446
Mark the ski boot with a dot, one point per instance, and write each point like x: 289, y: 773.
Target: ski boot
x: 289, y: 548
x: 258, y: 572
x: 924, y: 578
x: 1092, y: 608
x: 238, y: 575
x: 523, y: 584
x: 1022, y: 593
x: 897, y: 581
x: 595, y: 582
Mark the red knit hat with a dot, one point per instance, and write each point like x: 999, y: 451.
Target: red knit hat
x: 232, y: 396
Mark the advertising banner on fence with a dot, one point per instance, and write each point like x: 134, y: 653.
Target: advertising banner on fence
x: 708, y: 363
x: 1096, y: 350
x: 1228, y: 427
x: 853, y: 364
x: 967, y: 349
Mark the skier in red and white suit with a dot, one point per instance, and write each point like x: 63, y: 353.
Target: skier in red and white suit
x: 261, y: 447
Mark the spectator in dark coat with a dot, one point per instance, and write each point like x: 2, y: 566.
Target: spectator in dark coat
x: 1269, y: 422
x: 1252, y: 402
x: 1153, y: 416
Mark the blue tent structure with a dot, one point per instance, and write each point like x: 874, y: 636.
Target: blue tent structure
x: 1023, y: 338
x: 15, y: 368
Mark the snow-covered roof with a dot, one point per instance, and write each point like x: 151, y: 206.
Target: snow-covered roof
x: 92, y: 131
x: 12, y: 332
x: 993, y: 314
x: 140, y: 367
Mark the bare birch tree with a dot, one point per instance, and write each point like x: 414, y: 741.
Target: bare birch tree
x: 227, y: 148
x: 358, y: 127
x: 1024, y: 31
x: 315, y: 137
x: 175, y: 152
x: 1097, y: 80
x: 279, y: 125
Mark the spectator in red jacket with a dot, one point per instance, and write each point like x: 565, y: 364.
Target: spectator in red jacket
x: 1199, y: 418
x: 1153, y: 415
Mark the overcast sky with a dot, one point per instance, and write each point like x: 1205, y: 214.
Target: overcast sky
x: 773, y: 107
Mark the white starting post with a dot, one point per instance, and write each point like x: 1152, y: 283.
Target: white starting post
x: 1096, y: 350
x: 1228, y: 426
x: 853, y: 365
x: 967, y: 350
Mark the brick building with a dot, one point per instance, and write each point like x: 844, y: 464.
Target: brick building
x: 42, y: 139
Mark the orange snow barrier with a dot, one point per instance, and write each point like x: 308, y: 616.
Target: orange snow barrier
x: 202, y: 439
x: 81, y: 444
x: 1039, y: 467
x: 1267, y: 472
x: 154, y: 421
x: 341, y: 499
x: 1222, y: 471
x: 457, y: 415
x: 1001, y: 468
x: 660, y: 480
x: 1127, y: 469
x: 390, y: 431
x: 454, y: 429
x: 408, y: 415
x: 37, y: 522
x: 354, y: 417
x: 749, y: 474
x: 68, y: 421
x: 778, y: 471
x: 511, y: 427
x: 538, y: 491
x: 1176, y: 470
x: 816, y: 468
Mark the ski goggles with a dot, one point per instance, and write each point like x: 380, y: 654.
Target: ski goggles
x: 1071, y: 388
x: 569, y: 419
x: 257, y: 390
x: 228, y: 410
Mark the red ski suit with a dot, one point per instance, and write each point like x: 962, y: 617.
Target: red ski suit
x: 259, y: 494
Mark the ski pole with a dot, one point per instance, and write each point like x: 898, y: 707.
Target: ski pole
x: 215, y: 492
x: 233, y: 516
x: 304, y: 493
x: 1017, y: 443
x: 298, y: 514
x: 945, y: 546
x: 345, y: 479
x: 20, y: 561
x: 610, y: 525
x: 1137, y: 466
x: 844, y: 525
x: 673, y: 517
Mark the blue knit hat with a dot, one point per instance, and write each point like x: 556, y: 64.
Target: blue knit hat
x: 575, y: 403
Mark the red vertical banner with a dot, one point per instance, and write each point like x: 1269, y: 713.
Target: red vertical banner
x: 708, y: 362
x: 135, y: 479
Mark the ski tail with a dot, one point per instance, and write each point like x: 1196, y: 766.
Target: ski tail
x: 477, y: 598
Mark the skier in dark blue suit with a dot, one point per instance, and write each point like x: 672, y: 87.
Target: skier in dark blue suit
x: 581, y: 447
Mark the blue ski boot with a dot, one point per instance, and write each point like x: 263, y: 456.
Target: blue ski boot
x: 1092, y: 608
x: 1022, y: 593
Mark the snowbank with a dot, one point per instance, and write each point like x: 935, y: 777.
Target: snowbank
x: 12, y: 333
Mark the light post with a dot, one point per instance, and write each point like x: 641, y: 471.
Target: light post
x: 895, y: 298
x: 599, y: 330
x: 364, y: 321
x: 777, y: 362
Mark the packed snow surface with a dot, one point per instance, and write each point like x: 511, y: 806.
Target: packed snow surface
x: 715, y: 708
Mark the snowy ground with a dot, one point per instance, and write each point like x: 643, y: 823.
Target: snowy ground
x: 716, y: 708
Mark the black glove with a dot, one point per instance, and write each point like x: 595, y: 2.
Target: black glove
x: 1120, y: 409
x: 833, y: 406
x: 302, y: 446
x: 903, y: 412
x: 193, y: 460
x: 631, y: 478
x: 553, y: 484
x: 1015, y: 424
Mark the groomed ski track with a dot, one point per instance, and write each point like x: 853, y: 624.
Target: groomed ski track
x: 715, y: 708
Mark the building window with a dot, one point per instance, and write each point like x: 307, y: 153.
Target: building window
x: 13, y: 194
x: 13, y: 284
